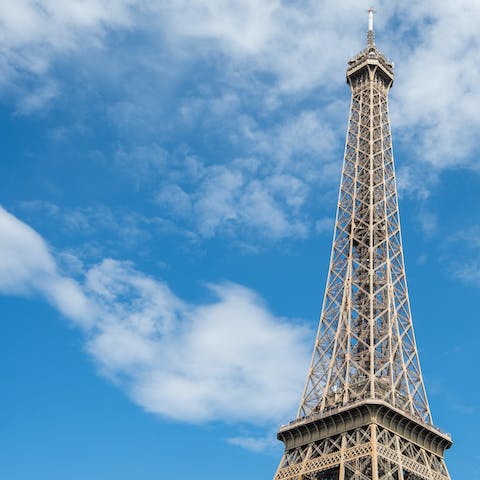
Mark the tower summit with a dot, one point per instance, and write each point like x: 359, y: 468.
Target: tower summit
x: 364, y: 413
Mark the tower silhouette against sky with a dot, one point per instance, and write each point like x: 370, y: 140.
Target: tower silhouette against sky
x: 364, y: 413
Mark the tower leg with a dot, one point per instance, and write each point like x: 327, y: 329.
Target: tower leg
x: 342, y: 459
x: 373, y: 440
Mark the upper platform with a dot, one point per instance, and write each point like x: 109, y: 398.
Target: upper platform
x: 370, y: 61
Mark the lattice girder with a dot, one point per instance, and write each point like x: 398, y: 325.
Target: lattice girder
x: 365, y: 346
x: 369, y: 452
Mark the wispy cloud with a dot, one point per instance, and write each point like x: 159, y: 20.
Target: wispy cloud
x: 228, y: 199
x: 286, y: 41
x: 428, y: 221
x: 253, y: 61
x: 465, y: 264
x: 36, y: 33
x: 263, y: 193
x: 219, y: 360
x: 120, y: 229
x: 255, y: 444
x: 469, y: 272
x: 436, y: 104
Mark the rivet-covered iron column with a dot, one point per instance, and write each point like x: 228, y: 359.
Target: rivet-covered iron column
x: 364, y: 414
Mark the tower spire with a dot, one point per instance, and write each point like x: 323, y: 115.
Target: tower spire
x: 364, y: 413
x: 371, y: 32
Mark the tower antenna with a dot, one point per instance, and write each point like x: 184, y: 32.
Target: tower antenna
x: 371, y: 11
x: 371, y: 33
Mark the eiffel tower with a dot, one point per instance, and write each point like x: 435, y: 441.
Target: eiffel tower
x: 364, y: 413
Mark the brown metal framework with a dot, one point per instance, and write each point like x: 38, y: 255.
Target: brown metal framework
x: 364, y: 413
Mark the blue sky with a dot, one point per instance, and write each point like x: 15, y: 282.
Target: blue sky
x: 169, y: 177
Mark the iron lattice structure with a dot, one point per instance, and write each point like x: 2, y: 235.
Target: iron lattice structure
x: 364, y: 414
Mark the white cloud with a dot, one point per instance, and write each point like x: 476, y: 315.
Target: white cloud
x: 27, y: 267
x: 233, y: 200
x: 229, y: 359
x: 438, y: 78
x: 266, y: 59
x: 223, y: 360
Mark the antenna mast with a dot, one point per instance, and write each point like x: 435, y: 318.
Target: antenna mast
x: 371, y: 33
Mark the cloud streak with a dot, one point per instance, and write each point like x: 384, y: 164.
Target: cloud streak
x: 28, y: 268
